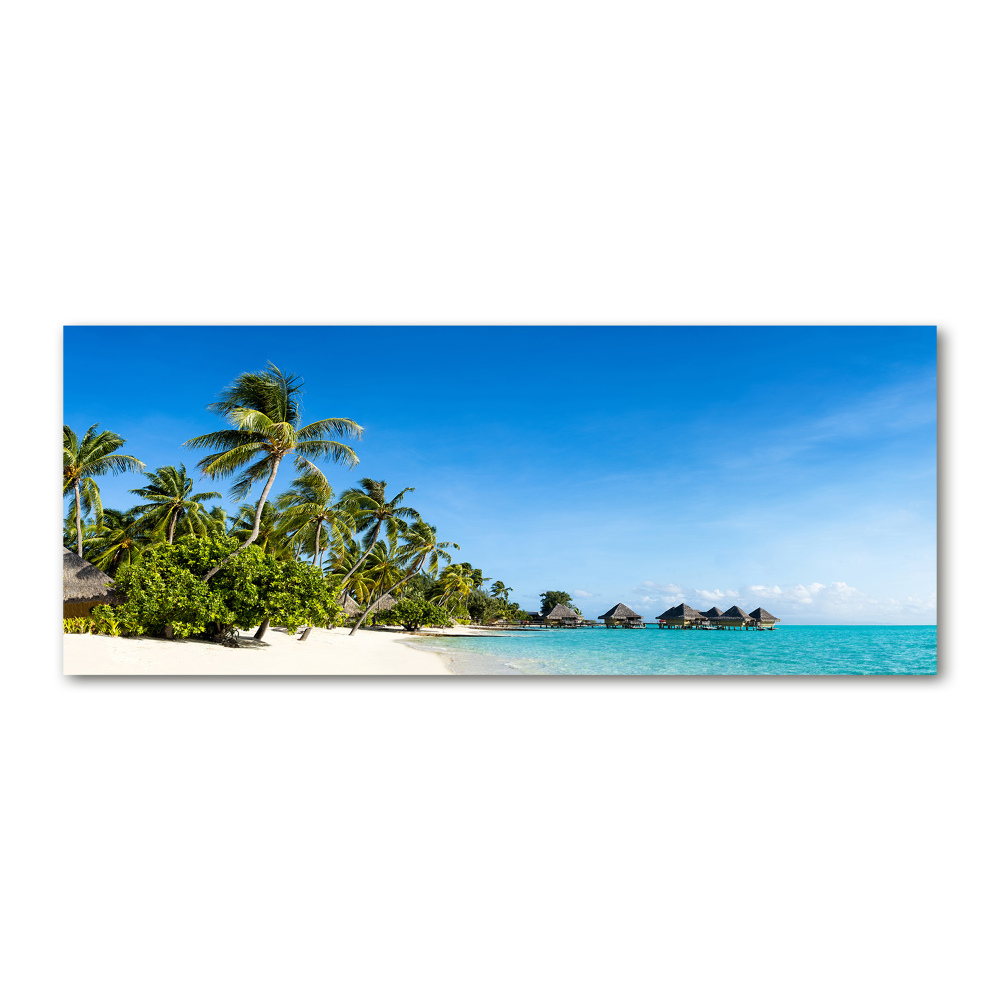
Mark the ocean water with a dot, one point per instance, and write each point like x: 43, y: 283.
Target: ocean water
x: 788, y: 649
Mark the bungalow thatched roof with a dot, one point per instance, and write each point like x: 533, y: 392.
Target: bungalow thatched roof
x: 683, y: 612
x: 384, y: 603
x: 760, y: 615
x: 349, y: 604
x: 735, y: 612
x: 712, y: 613
x: 620, y: 611
x: 82, y: 581
x: 561, y: 611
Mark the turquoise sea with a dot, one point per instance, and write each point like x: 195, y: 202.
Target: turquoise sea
x: 789, y: 649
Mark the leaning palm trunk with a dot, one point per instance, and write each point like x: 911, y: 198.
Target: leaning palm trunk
x: 259, y: 634
x: 79, y: 529
x: 256, y: 525
x: 367, y: 553
x: 395, y: 586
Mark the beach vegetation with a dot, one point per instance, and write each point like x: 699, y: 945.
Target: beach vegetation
x: 413, y: 614
x: 550, y: 598
x: 263, y: 410
x: 184, y: 566
x: 84, y: 458
x: 170, y: 502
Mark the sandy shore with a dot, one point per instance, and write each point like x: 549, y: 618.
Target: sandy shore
x: 326, y: 651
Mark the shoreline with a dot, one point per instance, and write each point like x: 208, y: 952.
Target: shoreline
x: 327, y: 652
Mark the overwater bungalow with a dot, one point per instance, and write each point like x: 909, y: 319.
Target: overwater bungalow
x: 764, y: 619
x: 711, y: 614
x: 84, y: 586
x: 622, y: 616
x: 682, y: 616
x: 560, y: 615
x: 735, y: 618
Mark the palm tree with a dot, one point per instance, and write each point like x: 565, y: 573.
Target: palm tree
x: 420, y: 548
x: 370, y: 511
x: 215, y: 522
x: 309, y: 512
x: 82, y: 460
x: 264, y: 411
x: 271, y: 535
x: 120, y: 540
x: 456, y: 581
x: 170, y: 496
x: 499, y: 589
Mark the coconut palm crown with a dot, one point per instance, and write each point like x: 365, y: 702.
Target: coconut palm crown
x: 264, y: 411
x: 94, y: 455
x: 170, y: 499
x: 311, y: 513
x: 367, y: 506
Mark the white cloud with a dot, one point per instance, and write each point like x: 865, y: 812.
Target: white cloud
x: 815, y: 602
x: 839, y: 600
x: 711, y: 596
x: 659, y: 588
x: 584, y: 593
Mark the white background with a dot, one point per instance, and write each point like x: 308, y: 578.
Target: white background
x: 553, y: 162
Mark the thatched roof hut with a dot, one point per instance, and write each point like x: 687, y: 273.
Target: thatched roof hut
x: 621, y: 612
x: 561, y: 615
x: 734, y: 618
x: 349, y: 605
x: 84, y: 586
x: 762, y: 617
x: 680, y: 615
x: 384, y: 603
x: 711, y: 613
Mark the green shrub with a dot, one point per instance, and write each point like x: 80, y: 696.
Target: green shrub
x: 76, y: 626
x: 105, y: 621
x: 166, y: 589
x: 412, y: 614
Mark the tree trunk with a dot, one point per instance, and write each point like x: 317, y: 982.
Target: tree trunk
x: 256, y: 525
x: 79, y: 529
x: 361, y: 560
x: 170, y: 530
x: 305, y: 634
x: 259, y: 634
x: 357, y: 624
x: 319, y: 527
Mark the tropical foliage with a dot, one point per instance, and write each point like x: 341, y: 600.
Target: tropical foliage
x: 83, y: 459
x: 184, y: 566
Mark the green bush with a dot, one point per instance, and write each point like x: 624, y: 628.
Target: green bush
x: 105, y: 620
x: 166, y: 589
x: 412, y: 614
x: 76, y: 626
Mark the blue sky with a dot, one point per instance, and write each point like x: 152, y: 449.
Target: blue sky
x: 789, y: 467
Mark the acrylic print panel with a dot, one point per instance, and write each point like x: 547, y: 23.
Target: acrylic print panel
x: 499, y: 500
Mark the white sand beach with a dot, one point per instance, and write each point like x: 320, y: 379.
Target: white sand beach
x: 326, y: 651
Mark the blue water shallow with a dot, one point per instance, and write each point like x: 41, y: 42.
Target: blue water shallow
x: 789, y: 649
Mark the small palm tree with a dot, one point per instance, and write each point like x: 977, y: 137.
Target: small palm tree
x: 264, y: 411
x: 84, y: 459
x: 370, y: 511
x: 120, y: 540
x: 170, y: 497
x: 499, y: 589
x: 310, y: 513
x: 456, y: 581
x: 420, y: 547
x: 271, y: 535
